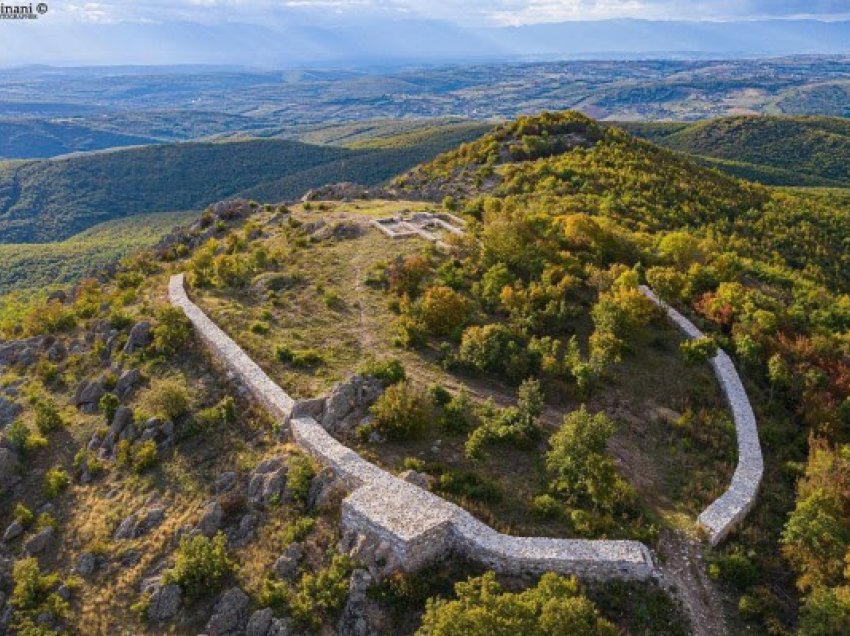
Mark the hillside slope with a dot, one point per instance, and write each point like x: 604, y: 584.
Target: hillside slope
x: 43, y: 201
x: 805, y: 151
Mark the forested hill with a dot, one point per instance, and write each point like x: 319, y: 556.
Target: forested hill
x: 566, y: 163
x: 804, y: 151
x: 50, y: 200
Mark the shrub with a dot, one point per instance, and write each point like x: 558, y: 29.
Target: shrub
x: 411, y: 332
x: 578, y: 464
x: 515, y: 424
x: 299, y: 358
x: 23, y: 515
x: 401, y: 412
x: 457, y: 415
x: 23, y: 440
x: 469, y: 486
x: 443, y: 310
x: 322, y: 593
x: 698, y: 351
x: 297, y: 530
x: 223, y: 413
x: 389, y: 370
x: 259, y: 328
x: 144, y: 455
x: 407, y: 274
x: 200, y: 564
x: 482, y: 608
x: 108, y: 405
x: 298, y: 478
x: 34, y: 594
x: 47, y: 418
x: 546, y: 506
x: 55, y: 481
x: 172, y: 331
x: 167, y: 397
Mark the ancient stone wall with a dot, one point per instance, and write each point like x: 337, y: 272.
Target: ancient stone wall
x: 416, y: 526
x: 725, y: 512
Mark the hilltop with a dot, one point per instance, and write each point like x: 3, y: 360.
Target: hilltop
x: 515, y: 369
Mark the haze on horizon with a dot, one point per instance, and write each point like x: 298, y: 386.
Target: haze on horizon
x: 297, y: 33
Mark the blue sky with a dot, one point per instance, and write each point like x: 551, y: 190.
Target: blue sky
x: 467, y: 12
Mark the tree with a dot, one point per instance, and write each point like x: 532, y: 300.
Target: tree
x: 554, y: 607
x: 200, y: 565
x: 402, y: 411
x: 443, y: 310
x: 698, y: 351
x: 172, y: 330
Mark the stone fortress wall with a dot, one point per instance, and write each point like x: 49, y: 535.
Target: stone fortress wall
x: 725, y: 512
x: 411, y: 525
x: 417, y: 527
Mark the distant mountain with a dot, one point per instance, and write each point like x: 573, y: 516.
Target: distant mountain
x: 804, y: 151
x: 293, y: 41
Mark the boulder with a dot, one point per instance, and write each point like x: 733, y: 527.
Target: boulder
x: 267, y: 482
x: 9, y: 469
x: 38, y: 542
x: 127, y: 382
x: 123, y: 417
x: 86, y: 564
x: 140, y: 337
x: 417, y: 479
x: 138, y: 523
x: 9, y: 410
x: 225, y: 482
x: 286, y: 566
x: 165, y: 602
x: 211, y: 519
x: 263, y: 623
x: 324, y: 489
x: 88, y: 394
x: 13, y: 531
x: 230, y: 615
x: 361, y: 616
x: 348, y: 402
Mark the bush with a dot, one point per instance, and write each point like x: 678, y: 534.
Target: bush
x: 21, y: 439
x: 482, y: 608
x: 698, y: 351
x: 221, y: 414
x: 457, y: 415
x: 34, y: 594
x: 299, y: 358
x: 322, y: 593
x: 108, y: 405
x: 298, y: 478
x: 401, y: 412
x: 515, y: 424
x: 469, y: 486
x: 389, y: 370
x: 443, y: 310
x: 167, y: 397
x: 172, y: 331
x: 297, y: 530
x: 47, y: 418
x: 23, y: 515
x: 55, y: 481
x: 144, y: 455
x: 200, y: 565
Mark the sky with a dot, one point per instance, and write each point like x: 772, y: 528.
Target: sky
x: 465, y: 12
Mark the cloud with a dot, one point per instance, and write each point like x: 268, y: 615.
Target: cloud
x: 468, y: 12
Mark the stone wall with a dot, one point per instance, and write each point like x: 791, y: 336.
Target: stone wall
x: 725, y: 512
x: 414, y: 525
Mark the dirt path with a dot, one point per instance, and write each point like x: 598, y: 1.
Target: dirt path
x: 682, y: 568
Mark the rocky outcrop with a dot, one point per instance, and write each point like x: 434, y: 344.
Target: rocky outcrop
x: 9, y: 470
x: 140, y: 523
x: 211, y: 519
x: 345, y: 405
x: 165, y: 601
x: 267, y: 482
x: 128, y: 381
x: 361, y: 616
x: 37, y: 543
x: 88, y: 394
x: 9, y: 410
x: 230, y: 615
x: 140, y: 337
x: 263, y: 623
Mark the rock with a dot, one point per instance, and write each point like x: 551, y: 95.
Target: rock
x: 348, y: 402
x: 22, y: 352
x: 225, y: 482
x: 88, y: 394
x: 86, y: 564
x: 123, y: 417
x: 9, y: 469
x: 140, y: 337
x: 9, y: 410
x: 38, y: 542
x: 361, y: 616
x: 417, y: 479
x: 165, y: 602
x: 286, y: 566
x: 129, y: 558
x: 267, y: 482
x: 127, y: 382
x: 56, y: 352
x: 137, y: 524
x: 64, y: 592
x: 13, y: 531
x: 230, y: 614
x: 263, y: 623
x: 211, y: 519
x: 246, y: 529
x: 324, y: 488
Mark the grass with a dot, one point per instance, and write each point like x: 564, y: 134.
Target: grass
x: 674, y: 441
x: 44, y: 265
